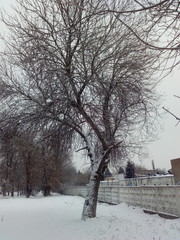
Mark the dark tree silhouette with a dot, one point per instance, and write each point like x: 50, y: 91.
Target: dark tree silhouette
x: 130, y: 170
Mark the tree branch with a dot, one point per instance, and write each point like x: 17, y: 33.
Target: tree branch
x: 177, y: 118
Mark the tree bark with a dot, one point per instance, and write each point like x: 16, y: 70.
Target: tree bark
x: 98, y: 168
x: 12, y: 191
x: 28, y: 190
x: 90, y: 204
x: 47, y: 191
x: 4, y: 189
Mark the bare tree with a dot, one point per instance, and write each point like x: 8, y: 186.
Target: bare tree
x: 9, y: 159
x: 84, y: 69
x: 161, y: 22
x: 55, y: 158
x: 19, y: 160
x: 33, y: 159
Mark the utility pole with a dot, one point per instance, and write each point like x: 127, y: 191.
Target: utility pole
x: 153, y: 166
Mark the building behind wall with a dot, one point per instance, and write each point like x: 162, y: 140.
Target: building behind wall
x: 175, y: 163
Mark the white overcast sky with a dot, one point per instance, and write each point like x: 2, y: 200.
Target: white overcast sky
x: 167, y: 146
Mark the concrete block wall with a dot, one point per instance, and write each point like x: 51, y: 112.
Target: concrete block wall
x: 75, y: 191
x: 165, y: 199
x: 143, y: 181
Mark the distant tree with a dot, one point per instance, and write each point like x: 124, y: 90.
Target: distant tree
x: 130, y: 170
x: 69, y: 173
x: 55, y: 160
x: 121, y: 170
x: 33, y: 159
x: 82, y: 177
x: 107, y: 173
x: 9, y: 158
x: 140, y: 169
x: 28, y: 155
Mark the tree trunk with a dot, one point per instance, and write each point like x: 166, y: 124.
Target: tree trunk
x: 90, y: 204
x: 12, y: 191
x: 47, y: 191
x: 4, y: 189
x: 28, y: 190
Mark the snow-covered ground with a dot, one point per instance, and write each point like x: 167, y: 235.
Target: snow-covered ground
x: 59, y: 218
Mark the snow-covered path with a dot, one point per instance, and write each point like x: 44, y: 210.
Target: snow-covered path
x: 58, y: 218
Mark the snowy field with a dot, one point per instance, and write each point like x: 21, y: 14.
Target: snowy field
x: 58, y: 218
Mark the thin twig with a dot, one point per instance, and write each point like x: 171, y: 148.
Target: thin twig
x: 81, y: 149
x: 177, y: 118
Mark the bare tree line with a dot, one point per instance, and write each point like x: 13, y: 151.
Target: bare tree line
x: 86, y: 68
x: 31, y: 161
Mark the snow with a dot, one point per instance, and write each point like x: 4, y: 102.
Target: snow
x: 49, y: 100
x: 59, y: 218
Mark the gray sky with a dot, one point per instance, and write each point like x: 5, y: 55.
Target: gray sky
x: 167, y: 146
